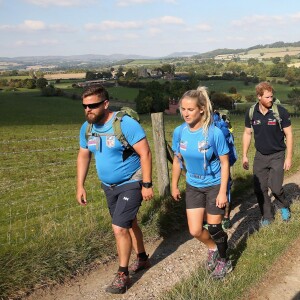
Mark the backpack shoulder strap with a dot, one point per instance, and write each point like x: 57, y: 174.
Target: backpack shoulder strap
x: 251, y: 112
x: 88, y: 131
x: 211, y: 139
x: 276, y: 114
x: 118, y: 130
x: 182, y: 165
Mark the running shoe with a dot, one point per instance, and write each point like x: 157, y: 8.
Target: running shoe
x: 226, y: 224
x: 212, y: 258
x: 285, y: 214
x: 222, y: 268
x: 264, y: 222
x: 139, y: 265
x: 119, y: 284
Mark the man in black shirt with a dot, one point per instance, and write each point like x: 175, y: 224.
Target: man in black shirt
x: 273, y: 144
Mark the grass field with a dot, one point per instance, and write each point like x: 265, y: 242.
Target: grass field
x: 44, y: 235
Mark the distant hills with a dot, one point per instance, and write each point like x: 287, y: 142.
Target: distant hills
x: 94, y: 60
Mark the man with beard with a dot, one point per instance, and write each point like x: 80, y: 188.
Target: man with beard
x: 271, y: 125
x: 125, y: 175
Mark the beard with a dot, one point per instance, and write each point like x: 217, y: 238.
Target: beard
x: 95, y: 118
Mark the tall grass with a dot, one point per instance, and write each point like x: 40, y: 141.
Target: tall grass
x: 45, y: 235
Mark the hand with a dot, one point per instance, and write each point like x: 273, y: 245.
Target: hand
x: 147, y: 193
x: 176, y: 194
x: 81, y: 196
x: 287, y: 164
x: 245, y: 163
x: 221, y: 201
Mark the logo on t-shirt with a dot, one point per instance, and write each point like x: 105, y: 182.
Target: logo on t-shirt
x: 203, y: 146
x: 256, y: 122
x: 272, y: 122
x: 110, y: 141
x: 183, y: 145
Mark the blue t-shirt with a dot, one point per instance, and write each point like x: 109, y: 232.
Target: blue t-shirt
x: 108, y: 151
x: 202, y: 165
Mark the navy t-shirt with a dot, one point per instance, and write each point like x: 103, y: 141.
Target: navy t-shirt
x: 268, y: 137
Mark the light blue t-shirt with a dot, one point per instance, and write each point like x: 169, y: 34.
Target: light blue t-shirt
x: 202, y: 165
x: 109, y: 152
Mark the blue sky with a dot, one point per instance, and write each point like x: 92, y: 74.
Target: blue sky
x: 144, y: 27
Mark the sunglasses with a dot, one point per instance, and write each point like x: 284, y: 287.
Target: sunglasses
x: 92, y: 105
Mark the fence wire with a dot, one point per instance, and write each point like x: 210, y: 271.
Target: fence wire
x: 38, y: 186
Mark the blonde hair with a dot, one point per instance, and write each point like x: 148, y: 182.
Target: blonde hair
x: 203, y: 102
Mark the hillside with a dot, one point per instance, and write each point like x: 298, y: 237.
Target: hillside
x: 93, y: 61
x: 272, y: 49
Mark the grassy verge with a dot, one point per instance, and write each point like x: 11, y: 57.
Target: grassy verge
x: 252, y: 259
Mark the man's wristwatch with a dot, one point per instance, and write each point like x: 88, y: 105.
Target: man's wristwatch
x: 147, y: 185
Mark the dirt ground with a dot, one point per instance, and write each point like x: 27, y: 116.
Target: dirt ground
x: 178, y: 256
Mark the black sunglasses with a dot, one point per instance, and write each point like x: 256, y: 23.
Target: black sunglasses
x: 92, y: 105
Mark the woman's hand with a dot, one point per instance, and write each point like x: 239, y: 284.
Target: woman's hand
x: 176, y: 194
x: 221, y: 200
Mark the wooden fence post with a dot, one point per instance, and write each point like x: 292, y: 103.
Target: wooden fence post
x: 160, y: 154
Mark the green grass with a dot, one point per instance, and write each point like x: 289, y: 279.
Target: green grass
x: 281, y: 90
x: 274, y: 50
x: 45, y: 235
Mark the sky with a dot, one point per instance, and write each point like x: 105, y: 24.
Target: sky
x: 153, y: 28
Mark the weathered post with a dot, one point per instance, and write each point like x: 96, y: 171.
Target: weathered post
x: 160, y: 154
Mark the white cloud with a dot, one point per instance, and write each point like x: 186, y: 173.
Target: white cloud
x: 166, y: 20
x: 154, y: 31
x: 64, y: 3
x: 203, y: 27
x: 27, y: 25
x: 61, y: 28
x: 258, y: 21
x: 134, y: 2
x: 104, y: 38
x: 27, y: 43
x: 131, y: 36
x: 36, y: 25
x: 296, y: 16
x: 105, y: 25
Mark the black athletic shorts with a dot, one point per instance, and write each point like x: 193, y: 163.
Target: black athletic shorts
x: 203, y: 198
x: 123, y: 202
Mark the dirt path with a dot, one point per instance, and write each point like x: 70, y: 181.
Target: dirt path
x: 176, y: 257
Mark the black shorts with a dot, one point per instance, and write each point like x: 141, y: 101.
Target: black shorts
x: 123, y: 202
x: 203, y: 198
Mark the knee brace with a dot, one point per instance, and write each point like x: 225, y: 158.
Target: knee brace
x: 217, y: 233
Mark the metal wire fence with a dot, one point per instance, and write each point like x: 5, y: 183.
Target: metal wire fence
x: 38, y: 184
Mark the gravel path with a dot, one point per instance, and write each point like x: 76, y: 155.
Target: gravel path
x: 175, y: 258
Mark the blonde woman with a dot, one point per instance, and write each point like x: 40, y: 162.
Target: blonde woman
x: 203, y: 150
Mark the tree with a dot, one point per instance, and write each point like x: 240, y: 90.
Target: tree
x: 278, y: 70
x: 41, y: 83
x: 168, y: 68
x: 253, y: 61
x: 287, y: 58
x: 221, y: 101
x: 90, y: 75
x: 250, y: 98
x: 29, y: 83
x: 129, y: 74
x: 232, y: 90
x: 144, y: 105
x: 275, y: 60
x: 290, y: 74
